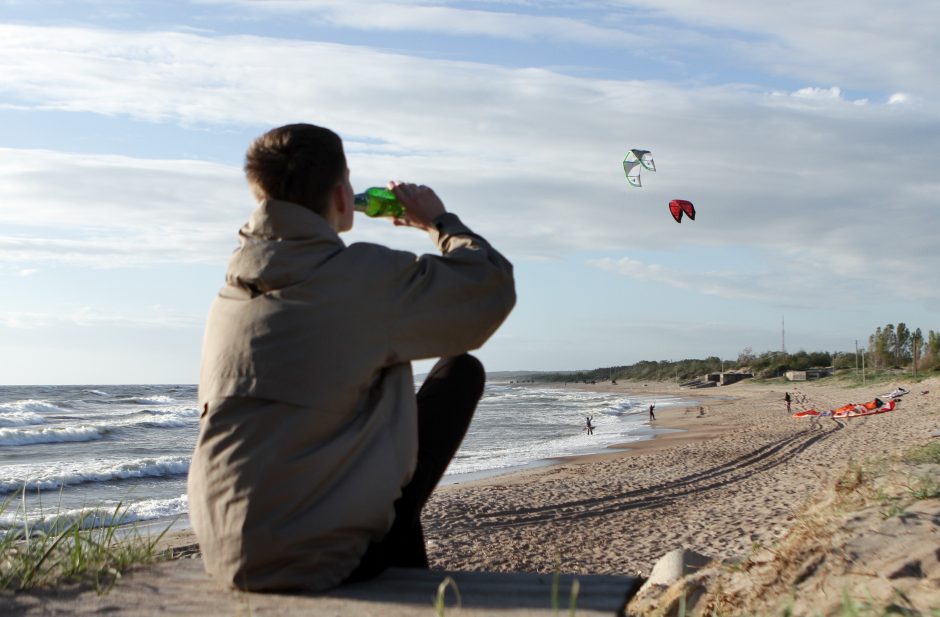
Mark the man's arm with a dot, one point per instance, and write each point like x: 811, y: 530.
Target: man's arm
x: 449, y: 304
x: 422, y: 205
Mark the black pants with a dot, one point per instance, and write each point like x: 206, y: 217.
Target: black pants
x: 446, y: 402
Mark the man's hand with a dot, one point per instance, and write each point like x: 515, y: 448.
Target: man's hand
x: 422, y: 205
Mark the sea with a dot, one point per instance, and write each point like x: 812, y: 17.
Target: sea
x: 101, y: 454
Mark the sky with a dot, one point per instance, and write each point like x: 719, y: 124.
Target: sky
x: 805, y: 133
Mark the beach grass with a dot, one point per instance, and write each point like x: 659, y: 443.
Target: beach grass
x: 440, y: 598
x: 929, y: 453
x: 70, y: 550
x: 449, y: 583
x: 895, y: 487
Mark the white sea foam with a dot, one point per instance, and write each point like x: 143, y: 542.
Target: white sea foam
x: 20, y: 418
x: 97, y: 392
x: 176, y: 410
x: 30, y: 405
x: 159, y: 399
x: 161, y: 422
x: 28, y: 436
x: 102, y: 516
x: 64, y: 473
x: 173, y: 417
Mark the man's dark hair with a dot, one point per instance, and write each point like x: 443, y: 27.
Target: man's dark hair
x: 300, y: 163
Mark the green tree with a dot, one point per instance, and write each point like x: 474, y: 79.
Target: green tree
x: 902, y: 343
x: 917, y: 347
x: 877, y: 347
x: 932, y: 350
x: 746, y: 356
x: 887, y: 345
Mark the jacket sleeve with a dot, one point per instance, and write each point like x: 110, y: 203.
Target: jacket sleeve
x: 448, y: 304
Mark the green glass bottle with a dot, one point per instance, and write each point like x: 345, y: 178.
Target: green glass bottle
x: 377, y: 201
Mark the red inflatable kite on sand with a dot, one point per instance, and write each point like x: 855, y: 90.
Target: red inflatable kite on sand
x: 853, y: 410
x: 678, y: 206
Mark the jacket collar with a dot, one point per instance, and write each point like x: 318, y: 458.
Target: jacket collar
x: 280, y: 245
x: 285, y: 220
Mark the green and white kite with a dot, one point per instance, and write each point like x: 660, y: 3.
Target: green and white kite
x: 634, y: 162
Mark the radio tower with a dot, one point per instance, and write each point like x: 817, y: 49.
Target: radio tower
x: 783, y: 336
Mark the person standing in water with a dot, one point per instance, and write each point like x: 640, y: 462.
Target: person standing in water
x: 588, y: 426
x: 652, y: 415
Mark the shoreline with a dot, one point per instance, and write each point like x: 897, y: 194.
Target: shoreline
x: 797, y: 516
x: 737, y: 477
x: 673, y: 426
x: 666, y: 433
x: 793, y: 513
x: 180, y: 535
x: 720, y: 484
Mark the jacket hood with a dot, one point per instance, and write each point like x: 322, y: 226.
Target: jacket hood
x: 280, y: 245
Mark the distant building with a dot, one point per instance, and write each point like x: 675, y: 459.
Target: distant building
x: 813, y: 373
x: 716, y: 379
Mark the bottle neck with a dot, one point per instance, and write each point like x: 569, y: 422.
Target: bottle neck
x: 360, y: 201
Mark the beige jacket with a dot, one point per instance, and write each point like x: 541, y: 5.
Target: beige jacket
x: 308, y: 427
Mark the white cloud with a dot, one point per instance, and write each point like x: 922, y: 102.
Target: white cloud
x: 734, y: 283
x: 88, y: 317
x: 898, y: 98
x: 863, y: 45
x: 803, y: 39
x: 116, y: 211
x: 440, y: 19
x: 528, y: 156
x: 818, y: 93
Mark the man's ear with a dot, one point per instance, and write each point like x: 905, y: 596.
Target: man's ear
x: 338, y: 197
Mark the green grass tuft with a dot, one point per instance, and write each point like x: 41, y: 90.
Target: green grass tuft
x: 439, y: 600
x: 86, y: 549
x: 929, y: 453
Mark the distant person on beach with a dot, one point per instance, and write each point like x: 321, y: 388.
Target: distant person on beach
x: 588, y: 426
x: 701, y: 411
x: 652, y: 415
x: 787, y: 399
x: 315, y: 456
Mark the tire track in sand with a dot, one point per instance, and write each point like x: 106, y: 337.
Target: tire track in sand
x: 746, y: 466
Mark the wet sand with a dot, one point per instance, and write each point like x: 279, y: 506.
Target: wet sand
x: 736, y: 476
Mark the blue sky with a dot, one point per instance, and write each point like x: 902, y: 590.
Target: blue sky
x: 805, y: 134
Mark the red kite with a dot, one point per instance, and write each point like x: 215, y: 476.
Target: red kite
x: 678, y: 206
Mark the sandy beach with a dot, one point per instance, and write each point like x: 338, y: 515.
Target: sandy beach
x: 737, y: 477
x: 740, y: 476
x: 732, y: 477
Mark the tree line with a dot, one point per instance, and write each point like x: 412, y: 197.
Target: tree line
x: 897, y: 346
x: 891, y: 346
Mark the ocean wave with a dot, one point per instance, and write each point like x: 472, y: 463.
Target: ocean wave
x: 159, y: 399
x: 70, y: 473
x: 20, y: 418
x: 96, y: 392
x: 162, y: 418
x: 179, y: 410
x: 29, y: 436
x: 25, y: 432
x: 160, y: 422
x: 30, y: 405
x: 93, y: 518
x: 625, y: 407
